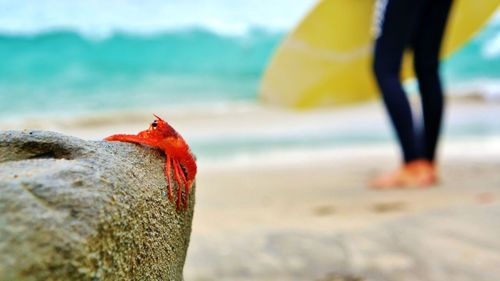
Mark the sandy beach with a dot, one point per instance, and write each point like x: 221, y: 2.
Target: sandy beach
x: 303, y: 221
x: 305, y: 212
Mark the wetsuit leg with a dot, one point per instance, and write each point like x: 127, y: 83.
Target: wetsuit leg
x: 426, y: 44
x: 397, y: 24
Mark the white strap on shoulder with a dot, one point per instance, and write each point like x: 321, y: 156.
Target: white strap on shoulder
x: 378, y: 17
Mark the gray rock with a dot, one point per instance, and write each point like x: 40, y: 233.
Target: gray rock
x: 87, y: 210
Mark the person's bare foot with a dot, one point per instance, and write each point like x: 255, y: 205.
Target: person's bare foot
x: 417, y: 173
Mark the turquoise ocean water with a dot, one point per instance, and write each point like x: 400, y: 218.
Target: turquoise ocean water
x: 57, y: 70
x: 63, y: 70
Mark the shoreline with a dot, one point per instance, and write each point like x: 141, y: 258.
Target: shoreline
x: 221, y: 117
x: 249, y: 134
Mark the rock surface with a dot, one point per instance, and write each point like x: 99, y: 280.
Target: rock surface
x: 86, y: 210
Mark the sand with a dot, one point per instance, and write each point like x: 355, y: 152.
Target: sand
x: 302, y: 221
x: 305, y: 214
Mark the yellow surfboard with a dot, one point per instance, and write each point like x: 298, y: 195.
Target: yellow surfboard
x: 327, y: 59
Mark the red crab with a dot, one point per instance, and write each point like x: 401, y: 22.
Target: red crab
x: 178, y: 155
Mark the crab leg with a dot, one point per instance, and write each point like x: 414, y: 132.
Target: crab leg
x: 168, y: 164
x: 186, y: 187
x: 179, y: 183
x: 131, y: 138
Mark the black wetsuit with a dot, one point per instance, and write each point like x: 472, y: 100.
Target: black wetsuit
x: 419, y: 25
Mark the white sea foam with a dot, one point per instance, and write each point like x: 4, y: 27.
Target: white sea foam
x: 98, y: 18
x: 455, y: 147
x: 295, y: 156
x: 491, y: 48
x: 488, y: 89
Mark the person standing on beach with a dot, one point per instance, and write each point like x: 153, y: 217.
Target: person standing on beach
x: 419, y: 25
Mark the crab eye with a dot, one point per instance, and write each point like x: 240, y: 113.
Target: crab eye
x: 154, y: 124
